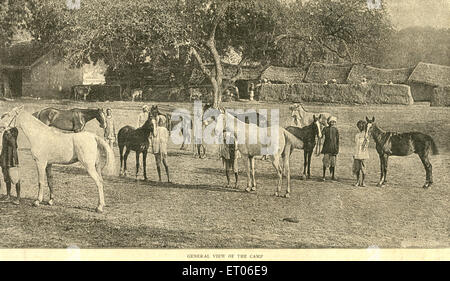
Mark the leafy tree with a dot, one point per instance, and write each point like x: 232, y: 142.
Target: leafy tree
x: 13, y: 17
x: 346, y: 31
x: 412, y: 45
x: 127, y: 34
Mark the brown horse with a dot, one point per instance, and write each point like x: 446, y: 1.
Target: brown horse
x: 308, y: 135
x: 402, y: 144
x: 70, y: 120
x: 137, y: 140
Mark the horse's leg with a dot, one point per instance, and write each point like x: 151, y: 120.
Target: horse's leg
x: 428, y: 170
x: 247, y: 167
x: 121, y: 160
x: 252, y: 161
x: 309, y: 163
x: 166, y: 166
x: 381, y: 170
x: 137, y: 164
x: 288, y: 174
x: 305, y: 164
x: 386, y: 160
x: 125, y: 157
x: 41, y: 178
x: 276, y: 164
x: 48, y: 171
x: 92, y: 171
x: 158, y: 165
x: 144, y: 163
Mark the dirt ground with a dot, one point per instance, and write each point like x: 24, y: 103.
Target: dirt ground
x: 197, y: 211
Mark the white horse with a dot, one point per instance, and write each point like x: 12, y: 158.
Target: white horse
x: 136, y: 94
x: 50, y: 146
x: 285, y: 142
x: 303, y: 118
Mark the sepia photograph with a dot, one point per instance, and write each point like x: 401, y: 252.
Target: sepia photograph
x: 239, y: 130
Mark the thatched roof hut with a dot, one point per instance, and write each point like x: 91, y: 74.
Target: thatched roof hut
x: 430, y: 74
x: 378, y: 75
x: 322, y: 72
x: 283, y: 75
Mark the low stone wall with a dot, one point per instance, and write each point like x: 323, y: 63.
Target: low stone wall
x: 337, y: 93
x: 441, y: 96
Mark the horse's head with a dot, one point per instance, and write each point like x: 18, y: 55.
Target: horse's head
x: 101, y: 117
x: 369, y: 125
x: 154, y: 111
x: 317, y: 125
x: 150, y: 124
x: 8, y: 118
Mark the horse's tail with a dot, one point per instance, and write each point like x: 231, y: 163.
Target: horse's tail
x: 110, y: 166
x: 296, y: 142
x: 434, y: 148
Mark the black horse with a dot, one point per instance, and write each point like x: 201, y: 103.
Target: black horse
x: 402, y: 144
x: 135, y: 140
x: 308, y: 136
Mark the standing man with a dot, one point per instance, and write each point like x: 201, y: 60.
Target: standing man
x: 330, y: 147
x: 9, y: 162
x: 110, y: 129
x: 143, y: 116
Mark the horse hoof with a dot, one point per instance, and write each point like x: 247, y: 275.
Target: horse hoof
x: 50, y: 202
x: 287, y: 195
x: 247, y: 189
x: 276, y: 194
x: 36, y: 203
x: 302, y: 177
x: 99, y: 209
x: 253, y: 188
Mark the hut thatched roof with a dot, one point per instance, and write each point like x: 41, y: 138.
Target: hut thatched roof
x: 321, y: 72
x: 431, y: 74
x: 378, y: 75
x: 284, y: 75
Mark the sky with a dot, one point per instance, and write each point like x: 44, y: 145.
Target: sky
x: 406, y: 13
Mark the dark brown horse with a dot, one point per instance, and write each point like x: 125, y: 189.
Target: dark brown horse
x: 135, y: 140
x: 308, y: 135
x: 81, y: 91
x: 70, y: 120
x: 402, y: 144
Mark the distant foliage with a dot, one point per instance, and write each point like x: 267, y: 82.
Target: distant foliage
x: 412, y: 45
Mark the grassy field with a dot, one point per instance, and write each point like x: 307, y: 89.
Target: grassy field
x: 196, y: 211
